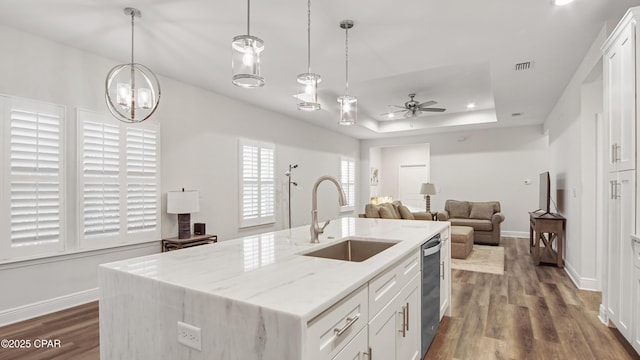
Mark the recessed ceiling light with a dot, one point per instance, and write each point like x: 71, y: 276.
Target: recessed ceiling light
x: 471, y: 105
x: 561, y: 2
x: 391, y: 115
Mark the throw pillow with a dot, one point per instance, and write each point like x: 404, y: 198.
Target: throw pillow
x: 396, y: 205
x: 459, y: 209
x: 405, y: 213
x: 371, y: 211
x: 387, y: 211
x: 481, y: 211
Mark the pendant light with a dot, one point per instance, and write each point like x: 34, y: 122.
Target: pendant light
x: 348, y: 103
x: 132, y: 90
x: 308, y: 82
x: 245, y: 61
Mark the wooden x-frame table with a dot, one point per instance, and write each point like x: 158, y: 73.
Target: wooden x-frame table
x: 544, y: 230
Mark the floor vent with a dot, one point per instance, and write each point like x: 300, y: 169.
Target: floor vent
x: 523, y: 66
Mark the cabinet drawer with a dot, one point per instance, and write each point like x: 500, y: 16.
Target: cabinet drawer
x: 356, y: 349
x: 330, y: 331
x: 388, y: 284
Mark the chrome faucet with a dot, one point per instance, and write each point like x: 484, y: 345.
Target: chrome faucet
x: 315, y: 228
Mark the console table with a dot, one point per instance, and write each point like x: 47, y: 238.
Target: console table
x: 175, y: 243
x: 544, y: 230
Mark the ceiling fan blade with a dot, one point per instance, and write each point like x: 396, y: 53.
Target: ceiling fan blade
x: 428, y: 103
x: 393, y: 112
x: 433, y: 109
x: 398, y: 106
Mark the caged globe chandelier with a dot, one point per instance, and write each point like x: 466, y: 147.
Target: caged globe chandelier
x: 132, y: 90
x: 348, y: 103
x: 245, y: 61
x: 308, y: 82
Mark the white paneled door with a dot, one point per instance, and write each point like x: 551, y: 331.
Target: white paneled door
x: 410, y: 179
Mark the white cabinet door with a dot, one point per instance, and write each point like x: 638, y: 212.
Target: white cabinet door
x: 409, y: 337
x: 445, y: 274
x: 383, y: 330
x: 357, y: 349
x: 620, y: 100
x: 620, y: 262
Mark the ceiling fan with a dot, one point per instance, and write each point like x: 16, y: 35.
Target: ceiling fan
x: 413, y: 108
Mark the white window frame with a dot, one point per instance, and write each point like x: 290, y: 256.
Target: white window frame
x: 7, y: 251
x: 351, y: 205
x: 123, y: 237
x: 260, y: 219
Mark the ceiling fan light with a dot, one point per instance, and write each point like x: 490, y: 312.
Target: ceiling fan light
x: 561, y: 2
x: 348, y: 110
x: 245, y: 61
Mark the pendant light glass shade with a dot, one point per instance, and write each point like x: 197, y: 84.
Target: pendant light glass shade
x: 348, y: 109
x: 348, y: 103
x: 132, y: 90
x: 308, y: 91
x: 308, y: 82
x: 245, y: 61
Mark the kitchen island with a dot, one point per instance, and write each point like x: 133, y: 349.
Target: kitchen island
x: 256, y: 297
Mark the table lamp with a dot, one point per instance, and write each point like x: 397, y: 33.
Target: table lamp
x: 183, y: 203
x: 428, y: 189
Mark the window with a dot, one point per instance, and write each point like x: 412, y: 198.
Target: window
x: 348, y: 182
x: 119, y: 181
x: 257, y: 185
x: 33, y: 167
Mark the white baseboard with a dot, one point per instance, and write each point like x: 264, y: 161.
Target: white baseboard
x: 602, y: 315
x: 29, y: 311
x: 518, y: 234
x: 589, y: 284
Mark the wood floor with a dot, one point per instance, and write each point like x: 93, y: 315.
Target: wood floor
x: 528, y: 313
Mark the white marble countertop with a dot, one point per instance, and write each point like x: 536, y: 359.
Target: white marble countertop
x: 268, y: 270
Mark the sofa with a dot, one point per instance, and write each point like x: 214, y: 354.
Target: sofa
x: 394, y: 210
x: 484, y: 217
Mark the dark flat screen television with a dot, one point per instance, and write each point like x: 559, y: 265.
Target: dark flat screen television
x: 545, y: 192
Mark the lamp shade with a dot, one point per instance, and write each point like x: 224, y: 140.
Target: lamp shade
x: 183, y: 202
x: 427, y: 189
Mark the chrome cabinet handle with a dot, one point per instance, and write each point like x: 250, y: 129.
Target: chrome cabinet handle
x: 404, y: 322
x: 614, y: 153
x: 442, y: 272
x: 350, y: 321
x: 611, y: 190
x: 407, y: 320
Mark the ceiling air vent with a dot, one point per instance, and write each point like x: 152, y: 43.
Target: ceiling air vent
x: 517, y: 114
x: 523, y: 66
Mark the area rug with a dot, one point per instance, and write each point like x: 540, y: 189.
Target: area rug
x: 483, y: 258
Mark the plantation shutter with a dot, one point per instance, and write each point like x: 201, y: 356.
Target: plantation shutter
x: 35, y: 177
x: 142, y: 180
x: 101, y: 169
x: 257, y: 183
x: 348, y: 181
x: 119, y: 178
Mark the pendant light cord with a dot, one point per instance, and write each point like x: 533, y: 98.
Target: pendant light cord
x: 309, y: 36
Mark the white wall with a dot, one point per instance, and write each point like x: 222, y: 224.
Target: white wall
x: 572, y: 129
x: 487, y: 165
x: 200, y: 131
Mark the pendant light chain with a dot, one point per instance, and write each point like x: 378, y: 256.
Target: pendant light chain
x: 309, y: 36
x: 346, y: 44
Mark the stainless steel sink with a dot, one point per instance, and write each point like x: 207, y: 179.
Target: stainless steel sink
x: 355, y: 250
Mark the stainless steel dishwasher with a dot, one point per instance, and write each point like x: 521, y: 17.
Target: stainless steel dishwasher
x: 430, y: 291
